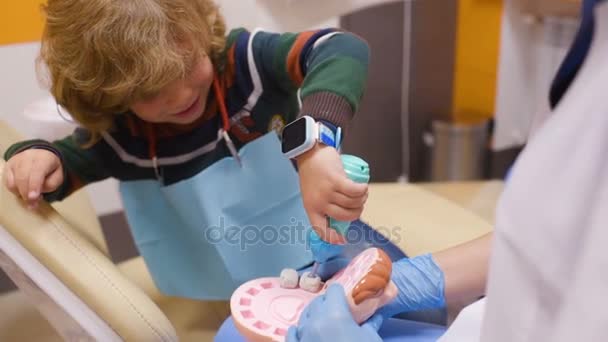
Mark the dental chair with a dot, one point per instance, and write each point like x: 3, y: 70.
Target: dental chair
x: 58, y: 258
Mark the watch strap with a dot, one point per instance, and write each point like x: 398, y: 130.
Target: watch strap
x: 329, y: 134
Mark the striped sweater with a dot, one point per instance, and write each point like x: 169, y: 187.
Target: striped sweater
x: 268, y: 80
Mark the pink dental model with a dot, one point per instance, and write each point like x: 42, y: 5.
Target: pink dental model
x: 263, y: 311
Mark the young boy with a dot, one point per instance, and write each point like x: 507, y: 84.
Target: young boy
x: 163, y: 96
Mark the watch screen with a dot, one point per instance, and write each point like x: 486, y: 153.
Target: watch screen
x: 294, y: 135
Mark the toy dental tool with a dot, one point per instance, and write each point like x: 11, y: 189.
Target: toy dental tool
x: 358, y: 171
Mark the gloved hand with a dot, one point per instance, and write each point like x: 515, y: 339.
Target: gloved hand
x: 329, y: 256
x: 421, y: 286
x: 322, y: 250
x: 328, y: 318
x: 328, y: 268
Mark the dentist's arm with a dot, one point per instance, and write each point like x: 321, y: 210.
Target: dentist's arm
x: 465, y: 269
x: 453, y: 277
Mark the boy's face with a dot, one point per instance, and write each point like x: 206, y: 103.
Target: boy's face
x: 182, y: 101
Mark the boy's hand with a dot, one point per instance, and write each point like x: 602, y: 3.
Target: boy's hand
x: 33, y: 172
x: 327, y: 191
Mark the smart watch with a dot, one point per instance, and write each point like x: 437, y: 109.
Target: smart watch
x: 301, y: 135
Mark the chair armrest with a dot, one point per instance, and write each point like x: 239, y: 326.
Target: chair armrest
x: 82, y: 269
x: 418, y: 221
x: 77, y: 209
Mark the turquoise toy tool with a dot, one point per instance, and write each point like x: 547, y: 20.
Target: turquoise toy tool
x: 358, y: 171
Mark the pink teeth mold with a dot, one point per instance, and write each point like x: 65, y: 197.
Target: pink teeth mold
x: 262, y: 310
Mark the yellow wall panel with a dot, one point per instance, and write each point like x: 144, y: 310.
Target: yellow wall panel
x: 477, y: 49
x: 20, y: 21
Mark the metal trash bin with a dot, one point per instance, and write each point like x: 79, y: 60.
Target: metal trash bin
x: 458, y: 151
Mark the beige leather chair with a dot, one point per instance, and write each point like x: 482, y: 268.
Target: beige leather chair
x: 431, y: 217
x: 58, y: 258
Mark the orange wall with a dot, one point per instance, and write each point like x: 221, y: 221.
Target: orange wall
x: 477, y: 48
x: 20, y: 21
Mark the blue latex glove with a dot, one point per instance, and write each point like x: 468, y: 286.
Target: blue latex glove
x: 322, y: 251
x: 328, y: 318
x: 328, y: 256
x: 421, y: 286
x: 328, y: 268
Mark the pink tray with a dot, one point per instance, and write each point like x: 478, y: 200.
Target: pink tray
x: 263, y: 311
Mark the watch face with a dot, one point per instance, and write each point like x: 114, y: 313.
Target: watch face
x: 294, y: 135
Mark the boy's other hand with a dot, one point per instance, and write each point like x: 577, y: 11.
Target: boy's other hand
x: 328, y: 192
x: 33, y: 172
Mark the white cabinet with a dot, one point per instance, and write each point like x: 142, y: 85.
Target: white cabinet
x: 534, y: 40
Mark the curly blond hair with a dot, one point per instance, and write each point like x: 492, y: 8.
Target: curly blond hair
x: 102, y: 55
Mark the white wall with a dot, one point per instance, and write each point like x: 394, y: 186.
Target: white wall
x: 27, y: 106
x: 248, y: 14
x: 292, y: 15
x: 18, y: 82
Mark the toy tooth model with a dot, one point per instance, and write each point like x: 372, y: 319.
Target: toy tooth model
x: 263, y: 310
